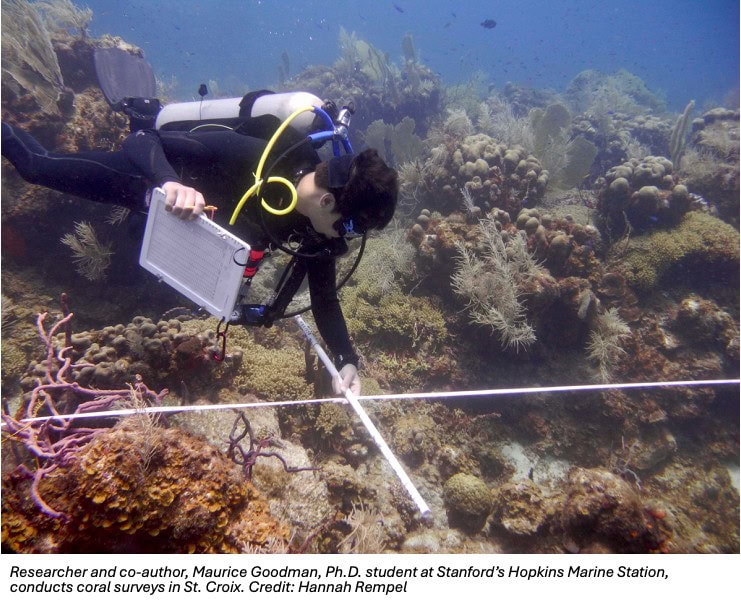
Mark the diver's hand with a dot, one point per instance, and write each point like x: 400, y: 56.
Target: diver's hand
x: 348, y: 379
x: 184, y: 202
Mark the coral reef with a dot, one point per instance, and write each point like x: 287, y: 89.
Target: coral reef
x: 630, y: 276
x: 493, y: 174
x: 124, y: 489
x: 596, y: 92
x: 380, y: 89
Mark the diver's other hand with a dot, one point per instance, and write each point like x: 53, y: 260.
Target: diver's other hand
x: 348, y: 379
x: 184, y: 202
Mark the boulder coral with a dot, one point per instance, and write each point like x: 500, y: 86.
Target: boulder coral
x: 142, y: 489
x: 519, y: 508
x: 468, y: 500
x: 640, y: 195
x: 493, y: 174
x: 700, y: 241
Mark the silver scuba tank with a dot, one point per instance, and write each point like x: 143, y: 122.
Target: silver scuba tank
x: 227, y: 112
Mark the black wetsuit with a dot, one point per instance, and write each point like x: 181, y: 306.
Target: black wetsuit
x: 221, y: 165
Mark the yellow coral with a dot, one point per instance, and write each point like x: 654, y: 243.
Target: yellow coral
x: 700, y: 238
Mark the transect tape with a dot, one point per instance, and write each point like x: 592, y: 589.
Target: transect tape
x: 215, y: 407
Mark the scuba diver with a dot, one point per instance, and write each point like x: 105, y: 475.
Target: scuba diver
x: 335, y: 199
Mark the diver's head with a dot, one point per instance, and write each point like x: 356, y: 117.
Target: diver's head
x: 364, y: 190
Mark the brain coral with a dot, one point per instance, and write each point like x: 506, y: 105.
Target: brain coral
x: 468, y: 499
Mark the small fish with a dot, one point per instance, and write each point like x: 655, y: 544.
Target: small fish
x: 398, y: 8
x: 489, y: 24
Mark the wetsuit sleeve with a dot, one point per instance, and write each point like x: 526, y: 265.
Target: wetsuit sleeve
x: 144, y: 149
x: 327, y: 311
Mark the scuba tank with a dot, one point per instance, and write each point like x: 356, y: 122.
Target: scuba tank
x: 231, y: 112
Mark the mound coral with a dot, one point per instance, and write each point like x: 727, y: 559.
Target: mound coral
x: 519, y: 507
x: 493, y: 174
x: 641, y: 194
x: 700, y: 240
x: 468, y: 500
x: 134, y: 490
x: 163, y: 353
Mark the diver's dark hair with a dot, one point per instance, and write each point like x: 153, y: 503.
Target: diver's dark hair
x: 370, y: 194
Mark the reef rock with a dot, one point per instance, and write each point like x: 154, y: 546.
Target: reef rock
x: 601, y: 505
x: 519, y: 507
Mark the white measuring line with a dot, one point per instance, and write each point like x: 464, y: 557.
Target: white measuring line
x: 555, y: 389
x: 354, y: 401
x: 214, y: 407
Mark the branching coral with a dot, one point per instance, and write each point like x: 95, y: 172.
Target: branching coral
x: 246, y: 458
x: 366, y: 535
x: 492, y: 284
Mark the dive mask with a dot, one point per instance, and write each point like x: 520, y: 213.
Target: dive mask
x: 347, y: 228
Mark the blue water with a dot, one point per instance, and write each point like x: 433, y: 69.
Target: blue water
x: 683, y: 49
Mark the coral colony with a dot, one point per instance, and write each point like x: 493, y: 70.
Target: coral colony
x: 587, y: 236
x: 55, y: 442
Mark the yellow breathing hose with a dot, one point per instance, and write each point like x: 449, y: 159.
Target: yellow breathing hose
x: 255, y: 189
